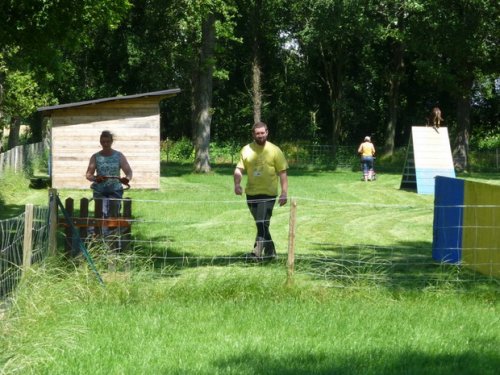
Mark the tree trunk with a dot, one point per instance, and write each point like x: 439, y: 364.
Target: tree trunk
x: 394, y: 90
x: 203, y: 96
x: 256, y: 68
x: 390, y: 131
x: 15, y: 124
x: 256, y: 90
x: 1, y: 109
x: 333, y: 81
x: 461, y: 150
x: 1, y: 97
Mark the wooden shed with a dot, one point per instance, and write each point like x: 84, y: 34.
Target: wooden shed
x: 134, y: 121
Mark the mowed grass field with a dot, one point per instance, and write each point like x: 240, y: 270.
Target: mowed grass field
x: 365, y: 297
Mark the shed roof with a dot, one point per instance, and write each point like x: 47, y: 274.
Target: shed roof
x: 161, y: 94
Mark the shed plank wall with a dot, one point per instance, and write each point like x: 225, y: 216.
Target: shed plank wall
x: 75, y: 137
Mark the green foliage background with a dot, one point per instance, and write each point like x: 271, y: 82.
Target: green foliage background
x: 329, y: 67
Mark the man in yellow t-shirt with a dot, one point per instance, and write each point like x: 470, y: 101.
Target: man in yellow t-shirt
x: 264, y: 164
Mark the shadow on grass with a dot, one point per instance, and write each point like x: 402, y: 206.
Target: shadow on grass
x: 175, y: 169
x: 166, y: 256
x: 409, y: 266
x: 178, y: 169
x: 175, y: 258
x: 480, y: 175
x: 8, y: 211
x: 376, y: 362
x: 406, y: 266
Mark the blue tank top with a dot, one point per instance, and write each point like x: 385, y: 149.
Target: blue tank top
x: 108, y: 166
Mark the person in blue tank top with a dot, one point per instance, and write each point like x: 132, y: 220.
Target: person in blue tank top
x: 104, y: 170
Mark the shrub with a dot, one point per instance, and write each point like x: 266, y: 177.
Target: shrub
x: 225, y: 152
x: 37, y: 164
x: 181, y: 150
x: 393, y: 163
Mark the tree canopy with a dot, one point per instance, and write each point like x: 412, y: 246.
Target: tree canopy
x: 319, y: 71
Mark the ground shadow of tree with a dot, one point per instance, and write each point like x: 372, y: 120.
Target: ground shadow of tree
x: 10, y: 210
x: 173, y: 169
x: 404, y: 266
x: 174, y: 257
x: 394, y: 362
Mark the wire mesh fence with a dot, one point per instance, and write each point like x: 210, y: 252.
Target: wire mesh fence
x: 346, y: 157
x: 168, y: 236
x: 17, y: 158
x: 12, y: 241
x: 345, y: 252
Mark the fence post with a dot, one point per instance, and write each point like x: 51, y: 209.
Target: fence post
x: 53, y: 221
x: 291, y: 241
x: 84, y: 213
x: 98, y: 215
x: 127, y: 214
x: 28, y: 237
x: 68, y: 205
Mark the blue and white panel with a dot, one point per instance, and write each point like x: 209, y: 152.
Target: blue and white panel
x: 432, y: 156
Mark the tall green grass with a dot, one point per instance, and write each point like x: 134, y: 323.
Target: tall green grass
x: 338, y: 314
x: 241, y: 320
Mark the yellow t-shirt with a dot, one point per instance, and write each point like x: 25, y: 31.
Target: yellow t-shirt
x: 262, y: 164
x: 367, y: 149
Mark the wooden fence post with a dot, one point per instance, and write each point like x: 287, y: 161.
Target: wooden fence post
x: 291, y: 241
x: 68, y: 246
x: 53, y: 221
x: 127, y: 214
x: 98, y: 215
x: 84, y: 213
x: 28, y: 237
x: 127, y: 207
x: 115, y: 228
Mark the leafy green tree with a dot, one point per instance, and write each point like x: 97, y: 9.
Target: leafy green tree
x: 331, y: 35
x: 203, y: 90
x: 387, y: 57
x: 209, y: 21
x: 22, y: 97
x: 262, y: 83
x: 166, y: 43
x: 315, y: 70
x: 459, y: 42
x: 36, y: 39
